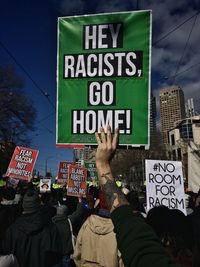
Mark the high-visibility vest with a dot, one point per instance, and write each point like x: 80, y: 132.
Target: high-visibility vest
x: 119, y: 183
x: 37, y: 184
x: 56, y: 186
x: 2, y: 183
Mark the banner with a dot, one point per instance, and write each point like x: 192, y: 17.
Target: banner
x: 103, y: 77
x: 76, y: 185
x: 193, y: 168
x: 22, y: 163
x: 63, y: 172
x: 45, y: 185
x: 91, y: 171
x: 164, y: 184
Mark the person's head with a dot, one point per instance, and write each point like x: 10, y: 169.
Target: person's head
x: 31, y: 202
x: 45, y: 198
x: 8, y: 193
x: 62, y: 210
x: 174, y: 230
x: 157, y: 217
x: 133, y: 199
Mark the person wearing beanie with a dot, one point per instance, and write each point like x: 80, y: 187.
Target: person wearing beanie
x: 8, y: 195
x: 33, y: 238
x: 31, y: 202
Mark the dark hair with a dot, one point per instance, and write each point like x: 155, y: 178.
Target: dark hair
x: 174, y: 230
x: 133, y: 199
x: 8, y: 193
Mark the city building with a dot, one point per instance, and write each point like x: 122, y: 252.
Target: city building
x: 172, y: 109
x: 153, y: 113
x: 192, y: 107
x: 186, y: 131
x: 82, y: 155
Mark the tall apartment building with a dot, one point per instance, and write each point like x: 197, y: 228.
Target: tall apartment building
x: 172, y: 109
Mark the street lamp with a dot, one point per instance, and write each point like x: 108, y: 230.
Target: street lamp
x: 46, y: 160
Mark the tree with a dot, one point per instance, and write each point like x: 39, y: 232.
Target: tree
x: 17, y: 114
x: 130, y: 163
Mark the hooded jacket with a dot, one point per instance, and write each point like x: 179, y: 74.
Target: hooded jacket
x: 33, y: 240
x: 96, y: 244
x: 62, y: 224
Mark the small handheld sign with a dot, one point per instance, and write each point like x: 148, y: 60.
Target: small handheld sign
x: 45, y: 185
x: 76, y: 185
x: 22, y: 163
x: 63, y: 172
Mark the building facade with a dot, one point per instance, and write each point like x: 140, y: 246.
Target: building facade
x: 153, y: 113
x: 192, y: 107
x: 186, y: 130
x: 172, y: 109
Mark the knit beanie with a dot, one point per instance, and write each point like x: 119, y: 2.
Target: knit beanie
x: 31, y: 202
x: 8, y: 193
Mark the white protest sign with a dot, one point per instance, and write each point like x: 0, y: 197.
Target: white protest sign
x: 164, y: 184
x: 45, y: 185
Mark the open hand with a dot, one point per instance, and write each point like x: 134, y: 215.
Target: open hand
x: 106, y: 145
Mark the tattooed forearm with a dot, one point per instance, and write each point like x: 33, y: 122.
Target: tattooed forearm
x: 113, y: 195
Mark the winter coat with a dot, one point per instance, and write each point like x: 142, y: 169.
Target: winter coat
x: 62, y: 224
x: 96, y: 244
x: 34, y: 240
x: 9, y: 212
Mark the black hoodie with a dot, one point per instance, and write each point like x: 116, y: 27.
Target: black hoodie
x: 34, y: 240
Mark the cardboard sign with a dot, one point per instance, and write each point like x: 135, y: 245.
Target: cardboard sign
x: 91, y: 171
x: 103, y: 77
x: 164, y: 184
x: 22, y: 163
x: 63, y: 172
x: 76, y: 185
x: 45, y: 185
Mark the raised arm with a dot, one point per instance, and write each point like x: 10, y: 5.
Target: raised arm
x: 139, y: 245
x: 106, y: 147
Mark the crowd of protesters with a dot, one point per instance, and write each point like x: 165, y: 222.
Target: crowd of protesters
x: 108, y: 228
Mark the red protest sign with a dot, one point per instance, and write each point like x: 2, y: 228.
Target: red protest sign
x: 63, y: 172
x: 22, y: 163
x: 77, y: 181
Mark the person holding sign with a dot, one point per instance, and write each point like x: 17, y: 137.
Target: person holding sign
x: 139, y: 245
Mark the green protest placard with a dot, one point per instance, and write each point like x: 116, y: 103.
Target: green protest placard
x: 103, y: 77
x: 91, y: 171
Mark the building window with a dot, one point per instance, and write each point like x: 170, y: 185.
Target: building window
x: 174, y: 154
x: 172, y: 140
x: 179, y: 153
x: 186, y: 131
